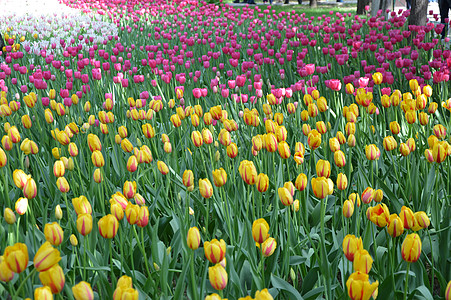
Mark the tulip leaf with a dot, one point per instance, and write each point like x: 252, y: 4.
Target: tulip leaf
x: 427, y: 191
x: 297, y: 260
x: 281, y: 284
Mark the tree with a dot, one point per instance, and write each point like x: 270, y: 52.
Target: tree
x: 313, y: 3
x: 361, y: 6
x: 418, y: 13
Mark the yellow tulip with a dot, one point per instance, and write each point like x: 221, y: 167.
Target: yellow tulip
x: 46, y: 257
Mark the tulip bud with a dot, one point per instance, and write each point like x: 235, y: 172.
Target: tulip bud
x: 131, y: 213
x: 82, y: 291
x: 21, y: 206
x: 367, y: 195
x: 260, y: 229
x: 407, y: 217
x: 62, y: 185
x: 395, y: 226
x: 348, y: 209
x: 359, y: 287
x: 6, y: 274
x: 205, y: 188
x: 43, y: 293
x: 339, y: 159
x: 362, y: 261
x: 54, y: 233
x: 218, y: 277
x: 58, y: 168
x: 108, y: 226
x: 421, y: 221
x: 73, y: 240
x: 9, y: 216
x: 193, y: 238
x: 215, y: 250
x: 58, y: 212
x: 46, y: 257
x: 314, y: 139
x: 232, y: 150
x: 268, y: 247
x: 285, y: 196
x: 342, y: 181
x: 162, y: 167
x: 351, y: 245
x: 54, y: 278
x: 84, y: 224
x: 321, y: 187
x: 29, y: 189
x: 411, y: 248
x: 262, y: 182
x: 219, y: 177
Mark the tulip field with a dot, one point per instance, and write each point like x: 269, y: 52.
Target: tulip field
x: 193, y: 150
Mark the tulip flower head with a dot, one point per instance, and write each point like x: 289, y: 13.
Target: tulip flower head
x: 193, y: 238
x: 16, y: 257
x: 53, y: 278
x: 53, y: 233
x: 411, y: 248
x: 218, y: 277
x: 83, y: 291
x: 108, y: 226
x: 215, y: 250
x: 260, y: 229
x: 362, y: 261
x: 351, y: 245
x: 359, y: 287
x: 46, y: 257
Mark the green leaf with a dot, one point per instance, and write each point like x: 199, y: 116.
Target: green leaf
x: 281, y: 284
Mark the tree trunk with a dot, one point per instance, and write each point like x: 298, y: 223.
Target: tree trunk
x: 418, y: 13
x: 313, y: 3
x: 375, y: 5
x: 361, y: 6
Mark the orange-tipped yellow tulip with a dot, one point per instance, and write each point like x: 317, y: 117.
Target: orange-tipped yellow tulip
x: 351, y: 245
x: 9, y: 216
x: 218, y: 277
x: 215, y: 250
x: 54, y: 233
x: 411, y: 248
x: 380, y: 215
x: 131, y: 213
x: 53, y: 278
x: 285, y: 196
x: 359, y: 287
x: 84, y: 224
x: 16, y: 257
x: 205, y: 188
x: 108, y: 226
x: 260, y: 229
x: 219, y: 177
x: 6, y: 274
x: 262, y: 182
x: 268, y: 247
x: 193, y: 238
x: 395, y: 226
x: 43, y: 293
x: 362, y: 261
x: 83, y: 291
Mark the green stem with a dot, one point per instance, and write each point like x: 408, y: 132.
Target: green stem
x: 85, y: 250
x: 193, y: 278
x: 23, y: 282
x: 113, y: 278
x: 432, y: 262
x: 406, y: 285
